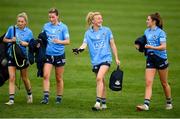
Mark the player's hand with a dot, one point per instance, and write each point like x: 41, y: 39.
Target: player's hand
x: 23, y: 43
x: 137, y: 46
x: 118, y: 62
x: 76, y: 51
x: 38, y: 45
x: 13, y: 39
x: 56, y: 41
x: 149, y: 46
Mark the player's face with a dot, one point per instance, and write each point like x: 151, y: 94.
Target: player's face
x: 97, y: 21
x: 150, y: 23
x: 21, y: 22
x: 53, y: 18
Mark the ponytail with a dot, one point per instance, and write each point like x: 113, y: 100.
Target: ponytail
x: 156, y: 17
x: 90, y: 17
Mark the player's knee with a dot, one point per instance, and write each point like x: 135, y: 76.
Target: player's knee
x: 46, y: 77
x: 99, y: 79
x: 12, y: 78
x: 165, y: 84
x: 24, y: 77
x: 149, y: 83
x: 59, y: 80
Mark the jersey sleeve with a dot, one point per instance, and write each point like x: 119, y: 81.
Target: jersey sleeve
x: 43, y: 29
x: 85, y: 38
x: 30, y: 36
x: 110, y: 35
x: 66, y: 32
x: 9, y: 33
x: 145, y: 32
x: 162, y: 37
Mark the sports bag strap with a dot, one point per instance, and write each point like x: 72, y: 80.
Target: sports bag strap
x: 14, y: 34
x: 14, y: 31
x: 14, y: 53
x: 118, y: 67
x: 15, y: 58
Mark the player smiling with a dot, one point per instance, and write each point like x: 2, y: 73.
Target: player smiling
x: 100, y: 41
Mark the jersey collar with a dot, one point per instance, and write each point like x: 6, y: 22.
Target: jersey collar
x: 92, y: 30
x: 153, y: 29
x: 59, y: 23
x: 24, y: 29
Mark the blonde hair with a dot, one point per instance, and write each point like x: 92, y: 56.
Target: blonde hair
x: 23, y: 15
x: 90, y: 17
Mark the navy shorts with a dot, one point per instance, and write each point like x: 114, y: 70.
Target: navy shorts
x: 154, y: 61
x: 11, y: 62
x: 57, y: 61
x: 97, y: 67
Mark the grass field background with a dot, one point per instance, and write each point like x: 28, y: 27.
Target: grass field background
x: 127, y: 21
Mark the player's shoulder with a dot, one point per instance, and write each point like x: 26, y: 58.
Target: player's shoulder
x: 89, y: 30
x: 62, y: 24
x: 160, y: 32
x: 28, y: 29
x: 105, y: 28
x: 11, y: 27
x: 147, y: 30
x: 47, y: 24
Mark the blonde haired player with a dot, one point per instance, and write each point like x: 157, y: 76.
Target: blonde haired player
x: 22, y: 37
x: 100, y: 41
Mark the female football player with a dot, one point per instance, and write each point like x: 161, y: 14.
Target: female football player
x: 58, y: 37
x: 100, y: 41
x: 156, y: 60
x: 22, y: 37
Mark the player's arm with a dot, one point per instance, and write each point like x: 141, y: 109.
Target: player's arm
x: 114, y: 50
x: 24, y: 43
x: 7, y: 40
x: 64, y: 42
x: 161, y: 47
x: 83, y: 46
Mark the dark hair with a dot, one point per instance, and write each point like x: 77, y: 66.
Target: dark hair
x: 156, y: 17
x: 54, y: 10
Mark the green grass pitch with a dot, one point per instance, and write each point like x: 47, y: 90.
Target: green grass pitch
x: 126, y: 18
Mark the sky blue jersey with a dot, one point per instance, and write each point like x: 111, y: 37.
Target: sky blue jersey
x: 99, y: 44
x: 21, y: 35
x: 155, y: 37
x: 59, y: 31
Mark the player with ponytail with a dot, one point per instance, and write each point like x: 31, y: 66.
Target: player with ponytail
x: 156, y: 60
x: 100, y: 41
x: 21, y: 35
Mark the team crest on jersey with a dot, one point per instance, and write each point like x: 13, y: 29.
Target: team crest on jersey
x: 154, y: 37
x: 58, y: 31
x: 22, y: 35
x: 104, y: 34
